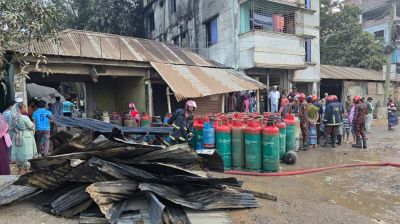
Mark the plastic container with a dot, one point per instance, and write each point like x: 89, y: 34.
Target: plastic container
x: 290, y: 132
x: 282, y: 139
x: 253, y: 152
x: 223, y: 145
x: 238, y: 145
x: 270, y: 149
x: 209, y: 135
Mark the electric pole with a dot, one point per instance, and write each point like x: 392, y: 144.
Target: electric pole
x: 389, y: 55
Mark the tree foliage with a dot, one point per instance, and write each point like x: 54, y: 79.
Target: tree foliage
x: 122, y: 17
x: 22, y: 22
x: 343, y: 41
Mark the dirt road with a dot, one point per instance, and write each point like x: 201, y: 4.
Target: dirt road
x: 356, y: 195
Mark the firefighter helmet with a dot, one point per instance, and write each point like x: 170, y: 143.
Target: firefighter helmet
x: 357, y: 99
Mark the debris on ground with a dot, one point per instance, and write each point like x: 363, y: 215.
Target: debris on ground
x: 111, y: 179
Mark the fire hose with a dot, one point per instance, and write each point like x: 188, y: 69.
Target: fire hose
x: 314, y: 170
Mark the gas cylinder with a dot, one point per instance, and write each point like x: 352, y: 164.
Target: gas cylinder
x: 156, y: 121
x: 253, y: 153
x: 282, y: 139
x: 209, y: 135
x: 290, y: 132
x: 198, y: 128
x: 270, y: 149
x: 237, y: 145
x: 145, y: 121
x: 223, y: 144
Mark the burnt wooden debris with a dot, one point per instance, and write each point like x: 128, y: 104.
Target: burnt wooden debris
x: 115, y: 181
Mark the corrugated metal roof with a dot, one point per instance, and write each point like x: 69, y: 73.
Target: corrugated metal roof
x: 349, y: 73
x: 87, y: 44
x: 194, y: 81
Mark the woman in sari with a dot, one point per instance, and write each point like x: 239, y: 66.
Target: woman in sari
x: 392, y: 113
x: 23, y: 140
x: 4, y: 144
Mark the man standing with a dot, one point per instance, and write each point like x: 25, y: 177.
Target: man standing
x: 57, y: 107
x: 360, y: 112
x: 318, y: 104
x: 232, y: 102
x: 332, y: 119
x: 41, y: 118
x: 68, y: 107
x: 368, y: 121
x: 304, y: 120
x: 274, y: 96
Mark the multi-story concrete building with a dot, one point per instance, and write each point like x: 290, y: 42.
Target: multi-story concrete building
x: 276, y: 41
x: 376, y: 19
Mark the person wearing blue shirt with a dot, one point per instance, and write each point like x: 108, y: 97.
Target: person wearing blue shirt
x: 67, y: 108
x: 42, y: 117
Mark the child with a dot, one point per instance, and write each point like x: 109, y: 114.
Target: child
x: 346, y: 127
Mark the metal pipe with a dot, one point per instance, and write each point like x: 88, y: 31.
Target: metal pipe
x: 389, y: 55
x: 169, y: 100
x: 223, y: 104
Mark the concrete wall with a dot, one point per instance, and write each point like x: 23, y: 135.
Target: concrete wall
x: 234, y: 49
x: 114, y: 94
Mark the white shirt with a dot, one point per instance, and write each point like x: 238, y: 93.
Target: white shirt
x: 274, y: 96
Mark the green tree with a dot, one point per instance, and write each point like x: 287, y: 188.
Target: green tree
x: 122, y: 17
x: 23, y: 22
x: 343, y: 42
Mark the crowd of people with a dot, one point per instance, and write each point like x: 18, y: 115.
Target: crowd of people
x: 25, y: 131
x: 328, y: 119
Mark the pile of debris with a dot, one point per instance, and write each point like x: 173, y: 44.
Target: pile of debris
x: 117, y: 178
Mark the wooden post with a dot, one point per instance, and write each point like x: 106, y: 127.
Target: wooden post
x: 223, y: 104
x: 267, y: 97
x: 150, y: 89
x: 258, y: 97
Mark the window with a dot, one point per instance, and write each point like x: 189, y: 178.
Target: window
x: 150, y: 21
x: 308, y: 50
x: 379, y: 34
x: 270, y: 16
x: 173, y: 6
x: 308, y: 4
x: 212, y: 32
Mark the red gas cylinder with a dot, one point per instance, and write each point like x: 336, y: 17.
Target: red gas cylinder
x: 253, y: 152
x: 223, y: 144
x: 238, y: 145
x: 145, y: 121
x: 270, y: 149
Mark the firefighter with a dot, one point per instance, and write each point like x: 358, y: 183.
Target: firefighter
x: 304, y: 120
x: 182, y: 123
x: 332, y: 120
x: 360, y: 113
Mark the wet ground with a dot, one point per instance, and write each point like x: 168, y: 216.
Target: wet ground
x: 354, y: 195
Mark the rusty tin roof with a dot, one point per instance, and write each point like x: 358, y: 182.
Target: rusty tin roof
x: 87, y: 44
x: 195, y: 81
x: 349, y: 73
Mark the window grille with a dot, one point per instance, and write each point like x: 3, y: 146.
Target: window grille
x: 270, y: 16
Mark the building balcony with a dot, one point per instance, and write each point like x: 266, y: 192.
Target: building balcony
x: 261, y: 49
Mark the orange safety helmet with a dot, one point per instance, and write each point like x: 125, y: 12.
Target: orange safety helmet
x: 302, y: 97
x: 357, y: 99
x: 314, y: 98
x: 334, y: 97
x: 330, y: 98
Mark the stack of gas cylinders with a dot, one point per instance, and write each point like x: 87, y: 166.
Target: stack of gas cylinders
x: 251, y: 142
